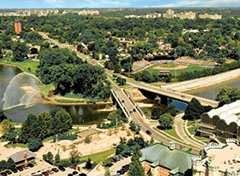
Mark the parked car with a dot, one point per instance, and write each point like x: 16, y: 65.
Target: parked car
x: 14, y: 170
x: 8, y: 172
x: 55, y: 169
x: 134, y: 110
x: 70, y: 174
x: 123, y: 101
x: 20, y: 168
x: 34, y: 163
x: 125, y: 155
x: 82, y: 174
x: 120, y: 172
x: 75, y: 173
x: 148, y: 132
x: 61, y: 168
x: 30, y: 165
x: 4, y: 174
x: 45, y: 173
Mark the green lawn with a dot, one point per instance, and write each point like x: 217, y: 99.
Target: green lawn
x: 27, y: 65
x: 172, y: 132
x: 190, y: 68
x: 98, y: 157
x: 16, y: 145
x: 192, y: 129
x: 191, y: 122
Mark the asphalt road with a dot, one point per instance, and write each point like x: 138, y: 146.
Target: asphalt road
x: 129, y: 106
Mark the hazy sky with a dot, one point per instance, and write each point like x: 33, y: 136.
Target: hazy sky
x: 116, y: 3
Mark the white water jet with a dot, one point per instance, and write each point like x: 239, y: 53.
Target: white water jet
x: 23, y: 90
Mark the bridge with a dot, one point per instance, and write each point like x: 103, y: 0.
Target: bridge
x: 127, y: 104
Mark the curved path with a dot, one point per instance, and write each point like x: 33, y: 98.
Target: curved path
x: 179, y: 126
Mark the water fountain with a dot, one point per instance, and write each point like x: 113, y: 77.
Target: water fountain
x: 23, y: 90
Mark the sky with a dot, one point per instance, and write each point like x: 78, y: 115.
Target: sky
x: 115, y: 3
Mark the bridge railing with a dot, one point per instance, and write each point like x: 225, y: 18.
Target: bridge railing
x: 120, y: 103
x: 135, y: 104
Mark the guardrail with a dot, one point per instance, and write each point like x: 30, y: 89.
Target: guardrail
x: 120, y: 103
x: 135, y: 104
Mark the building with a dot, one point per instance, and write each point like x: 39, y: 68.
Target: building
x: 219, y: 160
x: 18, y: 25
x: 186, y: 15
x: 214, y: 17
x: 164, y: 161
x: 169, y: 14
x: 222, y: 123
x: 23, y: 157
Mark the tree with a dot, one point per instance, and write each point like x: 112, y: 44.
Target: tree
x: 50, y: 157
x: 2, y: 115
x: 3, y: 165
x: 57, y: 159
x: 136, y: 167
x: 132, y: 126
x: 34, y: 144
x: 74, y: 157
x: 172, y: 109
x: 6, y: 125
x: 10, y: 164
x: 89, y: 164
x: 88, y: 139
x: 107, y: 173
x: 166, y: 121
x: 20, y: 51
x: 156, y: 113
x: 193, y: 110
x: 151, y: 141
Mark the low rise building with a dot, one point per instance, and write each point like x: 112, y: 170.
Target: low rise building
x: 214, y: 17
x: 164, y: 161
x: 219, y: 160
x: 222, y: 123
x: 23, y: 157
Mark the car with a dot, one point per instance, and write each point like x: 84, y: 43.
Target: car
x: 8, y: 172
x: 125, y: 155
x: 134, y: 110
x: 123, y: 101
x: 120, y: 172
x: 30, y: 165
x: 34, y: 163
x: 125, y: 169
x: 45, y: 173
x: 75, y: 173
x: 130, y: 112
x: 20, y: 168
x: 114, y: 159
x: 70, y: 174
x: 55, y: 169
x: 14, y: 170
x: 148, y: 132
x: 126, y: 166
x: 4, y: 174
x: 61, y: 168
x: 82, y: 174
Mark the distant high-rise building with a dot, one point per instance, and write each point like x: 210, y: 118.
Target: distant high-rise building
x: 18, y: 26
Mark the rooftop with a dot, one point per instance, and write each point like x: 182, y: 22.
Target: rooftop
x: 175, y: 160
x: 224, y: 158
x: 22, y: 155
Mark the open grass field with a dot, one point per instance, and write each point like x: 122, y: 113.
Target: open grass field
x: 27, y: 65
x: 173, y: 65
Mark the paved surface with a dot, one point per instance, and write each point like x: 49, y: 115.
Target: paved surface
x: 128, y: 104
x: 118, y: 165
x: 179, y: 127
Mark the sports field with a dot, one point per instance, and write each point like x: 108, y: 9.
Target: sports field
x: 173, y: 68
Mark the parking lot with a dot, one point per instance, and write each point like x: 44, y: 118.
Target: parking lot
x: 42, y: 167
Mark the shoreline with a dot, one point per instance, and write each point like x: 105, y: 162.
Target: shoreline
x: 46, y: 100
x: 204, y: 82
x: 11, y: 65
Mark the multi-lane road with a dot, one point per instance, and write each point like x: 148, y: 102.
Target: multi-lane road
x: 124, y: 101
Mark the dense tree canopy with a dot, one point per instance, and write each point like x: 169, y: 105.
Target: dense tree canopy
x: 20, y: 51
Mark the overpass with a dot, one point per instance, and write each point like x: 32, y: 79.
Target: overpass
x: 127, y: 104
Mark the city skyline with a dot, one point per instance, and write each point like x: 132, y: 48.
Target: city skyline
x: 116, y: 3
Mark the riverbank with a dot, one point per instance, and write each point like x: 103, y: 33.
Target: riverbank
x: 204, y: 82
x: 11, y: 65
